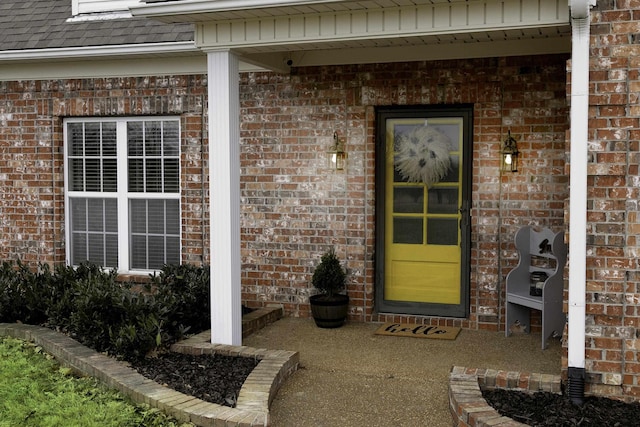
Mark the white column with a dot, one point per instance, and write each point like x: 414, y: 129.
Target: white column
x: 578, y: 184
x: 224, y: 197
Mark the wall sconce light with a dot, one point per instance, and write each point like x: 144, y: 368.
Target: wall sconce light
x: 337, y: 156
x: 509, y: 162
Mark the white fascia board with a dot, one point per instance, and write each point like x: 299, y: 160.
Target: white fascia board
x: 100, y: 16
x: 207, y: 6
x: 98, y: 51
x: 106, y: 61
x: 105, y: 68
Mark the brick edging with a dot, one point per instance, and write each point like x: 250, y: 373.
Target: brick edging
x: 252, y: 408
x: 468, y: 407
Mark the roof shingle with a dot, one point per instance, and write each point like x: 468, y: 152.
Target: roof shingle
x: 42, y: 24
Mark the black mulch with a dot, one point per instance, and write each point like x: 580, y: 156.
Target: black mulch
x: 549, y: 409
x: 214, y: 378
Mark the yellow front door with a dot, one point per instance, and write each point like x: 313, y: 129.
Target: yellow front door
x: 424, y: 213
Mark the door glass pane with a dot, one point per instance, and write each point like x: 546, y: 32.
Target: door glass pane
x: 397, y: 177
x: 451, y: 131
x: 407, y: 230
x: 443, y: 201
x: 408, y: 199
x: 442, y: 231
x: 454, y: 169
x: 421, y: 153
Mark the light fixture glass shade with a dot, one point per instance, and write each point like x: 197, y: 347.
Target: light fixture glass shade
x: 509, y: 155
x: 337, y: 156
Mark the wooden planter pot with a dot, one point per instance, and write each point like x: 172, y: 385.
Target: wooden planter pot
x: 329, y: 312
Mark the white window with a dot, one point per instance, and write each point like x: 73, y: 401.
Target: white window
x: 122, y: 192
x: 97, y: 6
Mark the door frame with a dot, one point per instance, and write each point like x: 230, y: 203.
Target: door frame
x: 407, y: 307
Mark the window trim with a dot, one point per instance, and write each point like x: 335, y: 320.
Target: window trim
x: 122, y: 195
x: 79, y: 7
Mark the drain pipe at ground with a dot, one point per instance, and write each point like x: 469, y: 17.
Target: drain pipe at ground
x: 578, y: 196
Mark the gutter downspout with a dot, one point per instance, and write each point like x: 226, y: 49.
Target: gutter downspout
x: 578, y: 196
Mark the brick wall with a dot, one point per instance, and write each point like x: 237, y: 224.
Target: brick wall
x: 613, y: 291
x: 293, y: 208
x: 31, y: 162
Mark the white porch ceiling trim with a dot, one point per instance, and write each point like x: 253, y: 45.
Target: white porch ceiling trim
x: 408, y: 21
x: 227, y: 10
x: 271, y: 33
x: 199, y: 10
x: 321, y: 57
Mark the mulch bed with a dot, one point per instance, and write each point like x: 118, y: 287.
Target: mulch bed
x: 549, y: 409
x: 213, y: 378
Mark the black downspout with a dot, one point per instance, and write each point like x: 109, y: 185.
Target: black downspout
x: 576, y: 385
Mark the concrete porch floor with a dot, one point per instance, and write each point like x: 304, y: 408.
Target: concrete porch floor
x: 351, y: 377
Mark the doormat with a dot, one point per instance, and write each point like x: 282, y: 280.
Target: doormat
x: 419, y: 331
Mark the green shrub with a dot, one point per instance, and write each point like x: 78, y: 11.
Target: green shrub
x: 329, y: 276
x: 140, y: 330
x: 96, y: 308
x: 21, y: 292
x: 183, y: 291
x: 89, y: 304
x: 62, y: 292
x: 12, y: 299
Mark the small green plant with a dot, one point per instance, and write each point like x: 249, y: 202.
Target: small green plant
x: 329, y: 276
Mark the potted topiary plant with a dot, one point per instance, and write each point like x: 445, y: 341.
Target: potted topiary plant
x: 329, y: 307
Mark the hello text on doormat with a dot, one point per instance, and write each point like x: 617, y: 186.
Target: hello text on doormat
x: 419, y: 331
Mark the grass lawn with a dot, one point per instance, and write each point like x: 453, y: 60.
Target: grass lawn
x: 36, y: 391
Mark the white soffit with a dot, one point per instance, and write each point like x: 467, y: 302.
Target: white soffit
x: 334, y: 31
